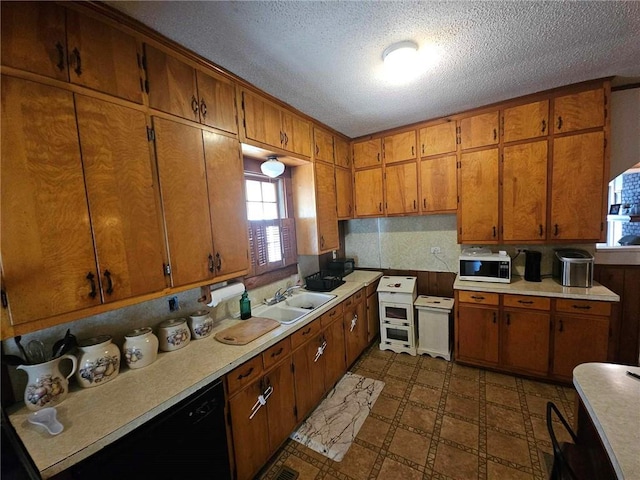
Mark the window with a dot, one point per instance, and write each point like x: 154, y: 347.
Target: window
x: 272, y: 238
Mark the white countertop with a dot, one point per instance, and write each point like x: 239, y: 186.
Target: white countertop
x: 612, y: 399
x: 95, y: 417
x: 548, y: 287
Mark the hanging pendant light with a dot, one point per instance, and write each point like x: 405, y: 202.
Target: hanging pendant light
x: 272, y: 167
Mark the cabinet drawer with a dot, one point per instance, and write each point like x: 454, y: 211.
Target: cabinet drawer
x: 332, y: 315
x: 372, y: 288
x: 527, y: 301
x: 481, y: 298
x: 353, y: 300
x: 244, y: 374
x: 584, y: 307
x: 305, y: 333
x: 277, y: 352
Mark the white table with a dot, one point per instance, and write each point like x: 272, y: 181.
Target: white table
x: 612, y: 400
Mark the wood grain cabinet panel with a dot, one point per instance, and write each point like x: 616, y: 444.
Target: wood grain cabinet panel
x: 355, y: 327
x: 368, y: 192
x: 438, y: 139
x: 438, y: 185
x: 401, y: 186
x: 400, y: 147
x: 323, y: 145
x: 578, y: 339
x: 297, y: 133
x: 526, y: 121
x: 367, y: 153
x: 334, y: 353
x: 579, y: 111
x: 344, y: 193
x: 123, y: 198
x: 525, y: 340
x: 281, y: 404
x: 217, y: 102
x: 328, y: 236
x: 309, y: 375
x: 477, y: 334
x: 479, y: 130
x: 524, y: 192
x: 478, y: 189
x: 342, y: 152
x: 261, y: 120
x: 577, y: 180
x: 47, y: 246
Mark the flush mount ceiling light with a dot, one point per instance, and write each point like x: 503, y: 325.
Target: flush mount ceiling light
x: 404, y: 61
x: 400, y: 55
x: 272, y: 167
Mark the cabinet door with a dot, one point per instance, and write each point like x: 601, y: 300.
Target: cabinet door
x: 123, y: 198
x: 227, y: 205
x: 400, y: 147
x: 578, y: 339
x: 478, y: 210
x: 250, y: 435
x: 373, y: 317
x: 577, y: 197
x: 524, y: 191
x: 342, y: 152
x: 103, y: 58
x: 367, y: 153
x: 438, y: 139
x: 280, y: 404
x: 309, y: 376
x: 172, y: 85
x: 326, y: 207
x: 48, y: 259
x: 479, y: 131
x: 217, y: 105
x: 323, y: 148
x: 477, y: 334
x: 183, y: 185
x: 33, y: 38
x: 344, y: 193
x: 526, y: 121
x: 525, y: 340
x: 261, y: 120
x: 401, y: 184
x: 438, y: 184
x: 355, y: 330
x: 579, y: 111
x: 334, y: 353
x: 368, y: 192
x: 297, y: 134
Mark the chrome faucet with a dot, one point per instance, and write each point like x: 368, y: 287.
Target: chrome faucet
x: 277, y: 297
x: 289, y: 291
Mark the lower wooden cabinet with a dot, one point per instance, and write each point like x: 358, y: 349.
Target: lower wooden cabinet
x: 355, y: 326
x: 308, y: 364
x: 531, y: 335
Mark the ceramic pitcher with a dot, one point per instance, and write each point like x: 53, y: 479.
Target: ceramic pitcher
x: 46, y: 386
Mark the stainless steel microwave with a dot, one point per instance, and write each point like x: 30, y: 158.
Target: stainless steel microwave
x: 492, y: 267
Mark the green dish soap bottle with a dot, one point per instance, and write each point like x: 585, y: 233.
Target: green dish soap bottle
x: 245, y: 306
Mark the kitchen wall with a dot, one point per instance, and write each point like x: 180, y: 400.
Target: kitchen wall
x: 405, y: 243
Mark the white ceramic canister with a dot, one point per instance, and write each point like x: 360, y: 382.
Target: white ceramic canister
x: 140, y: 348
x: 201, y: 324
x: 46, y: 386
x: 173, y: 334
x: 98, y: 361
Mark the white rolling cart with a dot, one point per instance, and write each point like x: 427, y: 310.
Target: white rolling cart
x: 434, y: 326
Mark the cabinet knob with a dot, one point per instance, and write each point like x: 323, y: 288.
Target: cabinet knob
x: 219, y: 261
x: 90, y: 276
x: 60, y: 50
x: 211, y: 266
x: 544, y: 125
x: 559, y: 122
x: 194, y: 104
x: 107, y: 275
x: 203, y: 108
x: 77, y: 60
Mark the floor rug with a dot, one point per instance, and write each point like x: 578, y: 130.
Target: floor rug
x: 334, y: 424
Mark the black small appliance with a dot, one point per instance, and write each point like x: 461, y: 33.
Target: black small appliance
x: 342, y: 266
x: 532, y: 266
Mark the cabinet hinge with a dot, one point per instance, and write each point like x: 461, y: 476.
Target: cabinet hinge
x: 295, y: 411
x: 293, y: 368
x: 3, y: 297
x: 151, y: 134
x: 166, y: 268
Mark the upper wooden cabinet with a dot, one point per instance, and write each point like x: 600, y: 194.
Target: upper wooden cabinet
x: 479, y: 130
x: 579, y: 111
x: 524, y: 192
x: 177, y: 88
x: 367, y: 153
x: 400, y: 147
x: 368, y: 192
x: 49, y: 40
x: 323, y: 149
x: 577, y: 178
x: 526, y: 121
x: 326, y: 207
x: 438, y: 139
x: 401, y: 187
x: 342, y: 152
x: 478, y: 189
x: 344, y: 193
x: 272, y: 125
x: 438, y: 186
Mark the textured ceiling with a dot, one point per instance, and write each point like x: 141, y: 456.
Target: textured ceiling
x: 325, y: 58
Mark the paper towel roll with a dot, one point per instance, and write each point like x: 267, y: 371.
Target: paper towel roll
x: 225, y: 293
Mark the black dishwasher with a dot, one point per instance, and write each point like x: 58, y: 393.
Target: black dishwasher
x: 187, y: 441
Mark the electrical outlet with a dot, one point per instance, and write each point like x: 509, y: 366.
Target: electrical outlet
x: 335, y: 254
x: 435, y: 250
x: 174, y: 305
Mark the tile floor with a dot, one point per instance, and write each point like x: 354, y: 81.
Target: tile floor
x: 439, y: 420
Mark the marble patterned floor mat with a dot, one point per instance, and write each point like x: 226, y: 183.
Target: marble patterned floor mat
x: 333, y: 425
